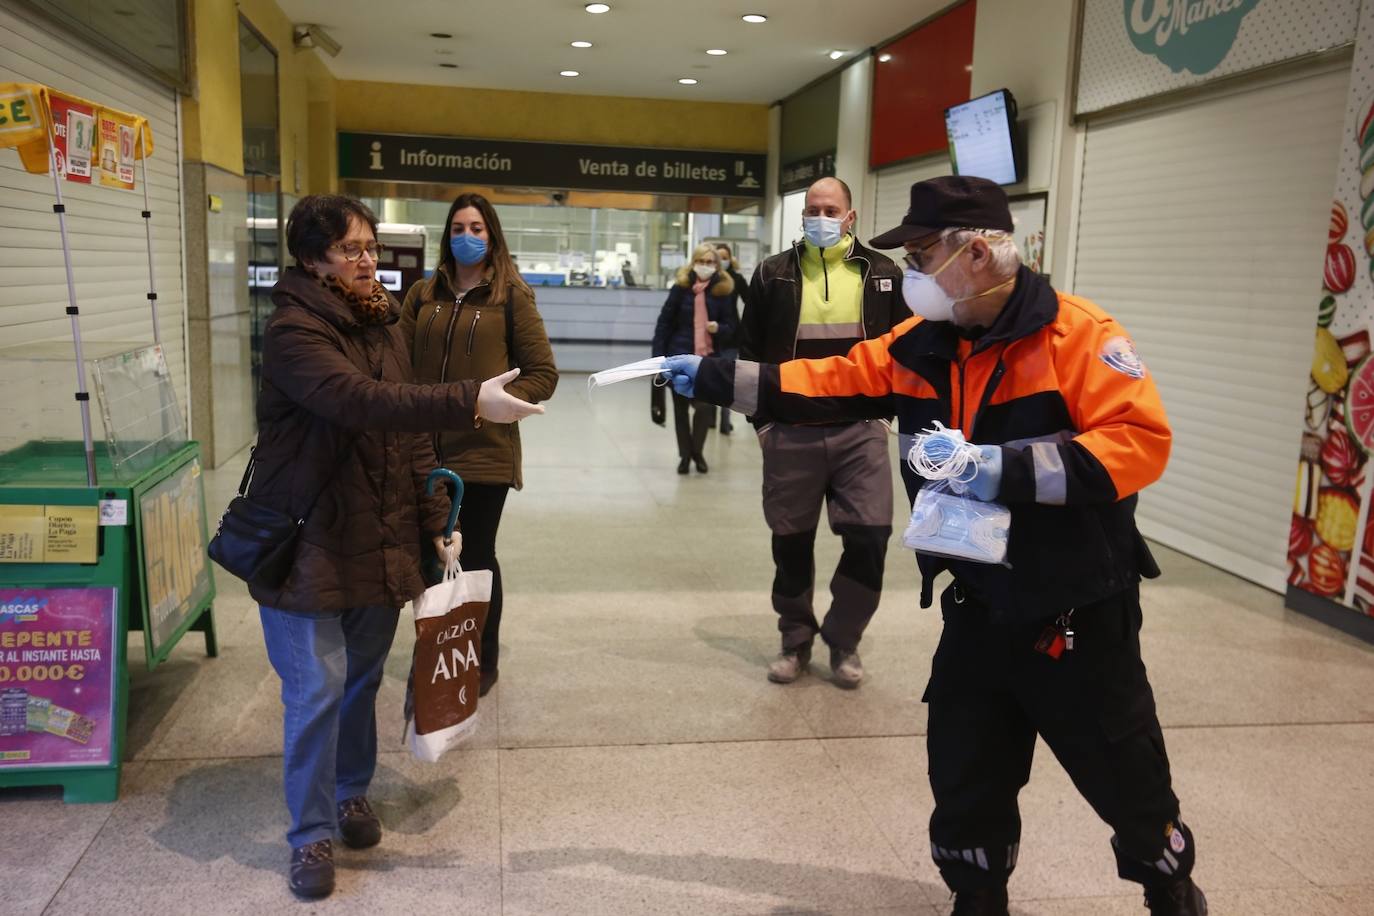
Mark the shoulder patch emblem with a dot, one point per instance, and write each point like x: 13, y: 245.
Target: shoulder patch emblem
x: 884, y: 285
x: 1119, y: 353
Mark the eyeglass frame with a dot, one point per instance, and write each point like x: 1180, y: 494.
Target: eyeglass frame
x: 375, y: 252
x: 915, y: 259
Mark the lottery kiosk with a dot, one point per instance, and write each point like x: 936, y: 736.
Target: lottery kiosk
x: 96, y: 538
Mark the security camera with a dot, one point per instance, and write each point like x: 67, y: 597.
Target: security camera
x: 558, y: 197
x: 312, y: 36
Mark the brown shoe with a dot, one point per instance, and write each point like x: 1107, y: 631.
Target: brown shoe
x: 359, y: 824
x: 312, y: 869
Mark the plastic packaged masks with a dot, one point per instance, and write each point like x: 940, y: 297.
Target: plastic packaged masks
x: 946, y: 520
x: 948, y: 524
x: 641, y: 369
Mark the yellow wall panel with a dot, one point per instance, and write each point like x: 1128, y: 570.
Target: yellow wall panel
x: 552, y: 117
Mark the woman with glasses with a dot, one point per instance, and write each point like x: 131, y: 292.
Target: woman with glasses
x: 344, y: 446
x: 697, y: 310
x: 475, y: 317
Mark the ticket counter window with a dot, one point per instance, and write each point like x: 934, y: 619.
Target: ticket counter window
x: 593, y: 247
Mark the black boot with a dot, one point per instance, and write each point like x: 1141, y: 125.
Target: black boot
x: 312, y: 869
x: 701, y: 464
x: 684, y: 465
x: 990, y: 901
x: 1182, y: 898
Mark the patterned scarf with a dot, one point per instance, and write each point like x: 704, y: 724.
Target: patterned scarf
x: 374, y: 309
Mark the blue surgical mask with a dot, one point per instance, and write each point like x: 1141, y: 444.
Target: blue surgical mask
x: 468, y: 249
x: 823, y: 231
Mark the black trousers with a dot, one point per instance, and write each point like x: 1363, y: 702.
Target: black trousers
x: 479, y: 520
x: 691, y: 433
x: 991, y: 693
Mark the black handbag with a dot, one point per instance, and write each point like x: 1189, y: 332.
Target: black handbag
x: 257, y: 543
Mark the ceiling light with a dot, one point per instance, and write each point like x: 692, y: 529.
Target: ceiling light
x: 440, y: 35
x: 449, y: 66
x: 687, y: 81
x: 884, y: 58
x: 598, y: 8
x: 836, y: 55
x: 581, y: 44
x: 568, y: 73
x: 754, y: 17
x: 717, y: 52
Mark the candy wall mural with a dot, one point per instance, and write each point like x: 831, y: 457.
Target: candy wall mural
x: 1330, y: 541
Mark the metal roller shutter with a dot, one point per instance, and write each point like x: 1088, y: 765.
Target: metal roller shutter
x: 105, y: 227
x: 1202, y: 228
x: 893, y: 193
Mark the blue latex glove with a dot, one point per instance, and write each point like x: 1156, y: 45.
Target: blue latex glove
x: 681, y: 371
x: 988, y: 481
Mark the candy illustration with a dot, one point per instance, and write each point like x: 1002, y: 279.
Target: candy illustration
x: 1326, y: 311
x: 1326, y: 568
x: 1300, y: 537
x: 1338, y: 516
x: 1359, y: 410
x: 1339, y: 274
x: 1329, y: 368
x: 1339, y: 459
x: 1339, y: 222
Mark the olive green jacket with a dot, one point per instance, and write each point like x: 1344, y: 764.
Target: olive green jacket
x: 452, y: 339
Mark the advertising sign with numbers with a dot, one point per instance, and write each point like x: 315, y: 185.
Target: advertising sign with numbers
x: 57, y: 670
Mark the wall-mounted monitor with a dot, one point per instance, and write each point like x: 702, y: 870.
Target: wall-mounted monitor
x: 982, y: 138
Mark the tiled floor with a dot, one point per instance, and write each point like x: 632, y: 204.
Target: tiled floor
x: 634, y: 760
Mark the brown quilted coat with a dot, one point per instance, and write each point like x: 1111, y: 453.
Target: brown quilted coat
x: 336, y: 393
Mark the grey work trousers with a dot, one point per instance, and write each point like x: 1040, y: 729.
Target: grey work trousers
x: 847, y: 468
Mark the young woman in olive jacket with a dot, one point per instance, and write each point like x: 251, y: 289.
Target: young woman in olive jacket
x: 473, y: 318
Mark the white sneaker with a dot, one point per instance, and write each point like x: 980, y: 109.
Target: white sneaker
x: 847, y: 668
x: 789, y: 666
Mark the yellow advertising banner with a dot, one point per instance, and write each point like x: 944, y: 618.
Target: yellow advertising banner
x: 28, y: 125
x: 24, y: 123
x: 49, y: 534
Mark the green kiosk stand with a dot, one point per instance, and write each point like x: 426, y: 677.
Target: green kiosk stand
x: 80, y: 566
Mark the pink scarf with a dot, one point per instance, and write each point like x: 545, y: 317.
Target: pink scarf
x: 700, y: 338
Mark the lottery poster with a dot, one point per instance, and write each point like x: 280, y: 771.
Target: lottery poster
x: 57, y: 670
x: 118, y: 137
x: 73, y: 128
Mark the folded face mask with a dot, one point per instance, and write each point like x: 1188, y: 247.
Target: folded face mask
x: 641, y: 369
x: 947, y: 524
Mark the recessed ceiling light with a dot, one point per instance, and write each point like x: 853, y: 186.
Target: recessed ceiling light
x: 754, y: 17
x: 884, y: 58
x: 581, y: 44
x: 687, y: 81
x: 568, y: 73
x: 598, y: 8
x: 836, y: 55
x: 717, y: 52
x: 449, y: 66
x: 440, y: 35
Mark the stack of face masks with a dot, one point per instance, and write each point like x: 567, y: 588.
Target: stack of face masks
x: 645, y: 367
x: 945, y: 520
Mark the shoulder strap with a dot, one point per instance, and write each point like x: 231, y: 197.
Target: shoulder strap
x: 510, y: 332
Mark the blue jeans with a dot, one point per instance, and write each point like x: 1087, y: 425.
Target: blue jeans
x: 330, y: 668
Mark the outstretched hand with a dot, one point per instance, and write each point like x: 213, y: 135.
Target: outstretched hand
x: 681, y: 372
x: 494, y: 404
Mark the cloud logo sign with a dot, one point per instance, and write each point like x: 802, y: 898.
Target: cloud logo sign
x: 1191, y: 35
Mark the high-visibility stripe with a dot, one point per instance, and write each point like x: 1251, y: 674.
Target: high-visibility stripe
x: 746, y: 386
x: 843, y: 331
x: 1051, y: 481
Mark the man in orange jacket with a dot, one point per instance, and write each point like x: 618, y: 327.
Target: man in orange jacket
x: 1069, y: 427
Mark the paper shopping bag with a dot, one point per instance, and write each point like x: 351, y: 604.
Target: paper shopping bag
x: 441, y: 700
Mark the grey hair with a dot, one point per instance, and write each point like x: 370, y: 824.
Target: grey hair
x: 1006, y: 256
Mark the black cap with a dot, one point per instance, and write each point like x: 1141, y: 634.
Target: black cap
x: 949, y: 202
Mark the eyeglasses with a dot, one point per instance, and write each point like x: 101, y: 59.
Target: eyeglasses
x: 352, y: 251
x: 915, y: 259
